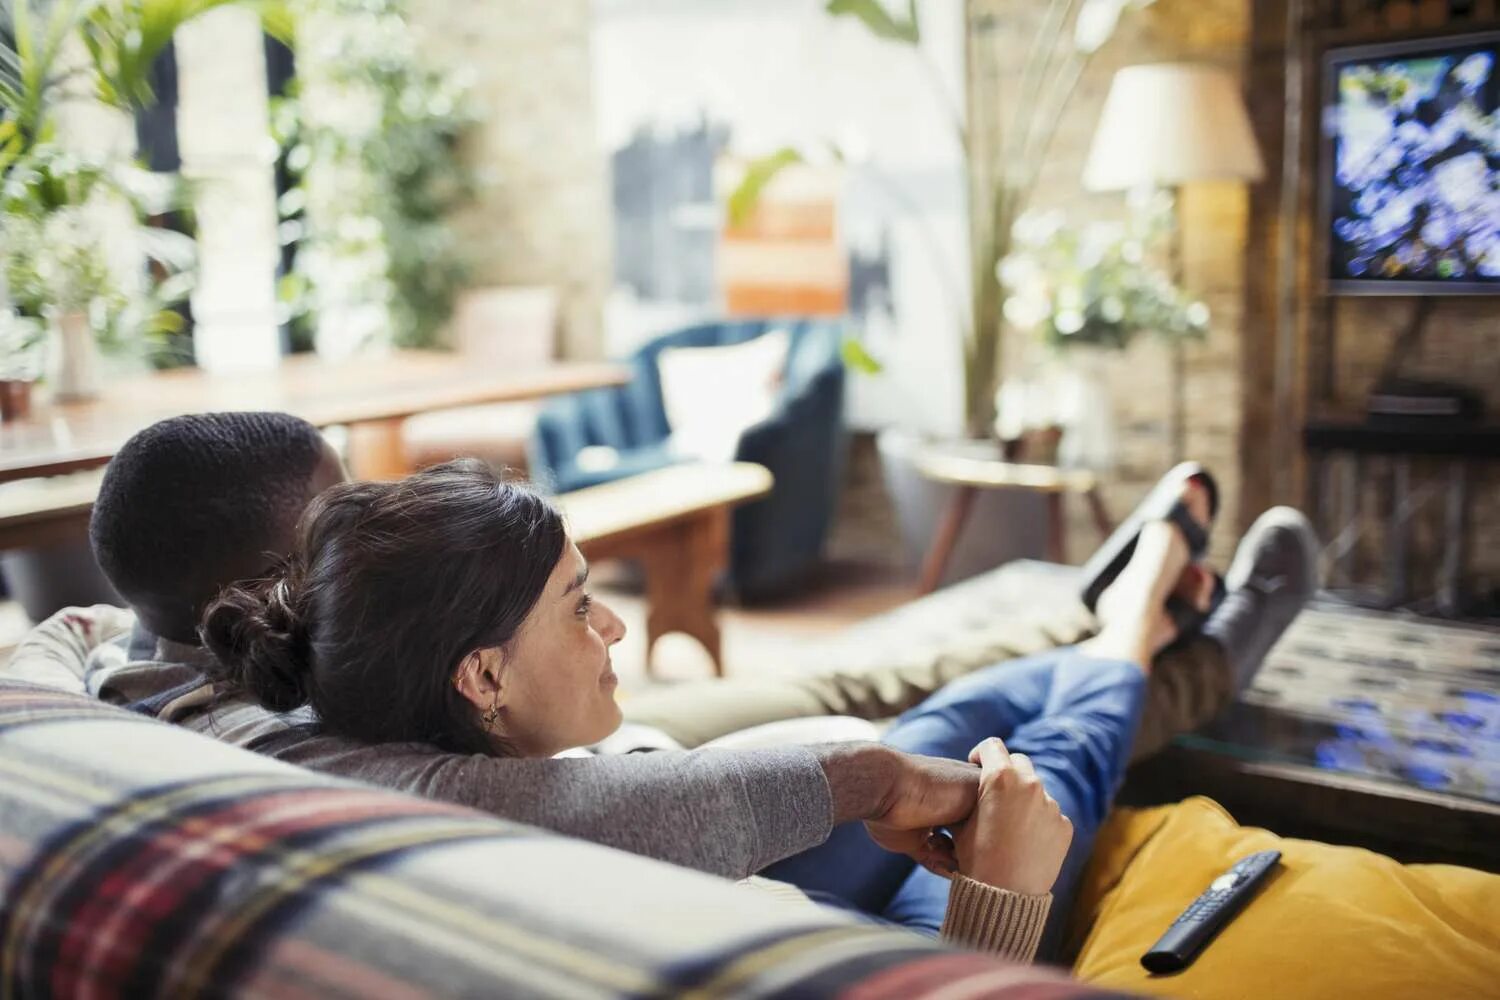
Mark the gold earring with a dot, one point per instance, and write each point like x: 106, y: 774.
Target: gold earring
x: 491, y: 714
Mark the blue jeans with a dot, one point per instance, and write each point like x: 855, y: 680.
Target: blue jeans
x: 1074, y: 715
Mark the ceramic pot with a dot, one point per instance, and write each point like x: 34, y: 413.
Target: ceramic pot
x: 15, y: 399
x: 73, y: 369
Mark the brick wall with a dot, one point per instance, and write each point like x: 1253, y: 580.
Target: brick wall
x: 543, y: 214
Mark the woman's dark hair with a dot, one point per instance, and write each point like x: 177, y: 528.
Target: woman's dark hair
x: 390, y: 586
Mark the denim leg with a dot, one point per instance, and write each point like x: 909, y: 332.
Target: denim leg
x: 1002, y: 701
x: 1080, y: 745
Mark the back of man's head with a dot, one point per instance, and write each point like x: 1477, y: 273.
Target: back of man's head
x: 192, y: 504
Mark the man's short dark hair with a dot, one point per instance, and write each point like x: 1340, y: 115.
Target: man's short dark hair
x: 192, y: 503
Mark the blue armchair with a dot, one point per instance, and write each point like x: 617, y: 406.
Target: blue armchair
x: 773, y: 542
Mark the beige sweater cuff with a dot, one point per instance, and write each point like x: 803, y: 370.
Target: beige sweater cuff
x: 1004, y: 923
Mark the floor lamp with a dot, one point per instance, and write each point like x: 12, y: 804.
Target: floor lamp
x: 1166, y: 125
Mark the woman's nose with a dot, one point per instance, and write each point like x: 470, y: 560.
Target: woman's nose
x: 614, y: 627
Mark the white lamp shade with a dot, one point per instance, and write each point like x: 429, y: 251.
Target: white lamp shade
x: 1169, y: 123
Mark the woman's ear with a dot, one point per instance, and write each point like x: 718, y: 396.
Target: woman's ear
x: 478, y: 679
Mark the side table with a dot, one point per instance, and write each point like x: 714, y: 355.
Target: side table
x: 969, y: 474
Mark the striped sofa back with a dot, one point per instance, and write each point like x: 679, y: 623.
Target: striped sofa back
x: 140, y: 860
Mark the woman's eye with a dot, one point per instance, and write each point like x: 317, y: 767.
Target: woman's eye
x: 585, y: 604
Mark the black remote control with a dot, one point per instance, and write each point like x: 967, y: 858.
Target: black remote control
x: 1197, y: 925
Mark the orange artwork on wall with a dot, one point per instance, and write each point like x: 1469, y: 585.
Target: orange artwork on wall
x: 786, y: 258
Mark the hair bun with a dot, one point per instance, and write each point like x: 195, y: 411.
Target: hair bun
x: 258, y: 637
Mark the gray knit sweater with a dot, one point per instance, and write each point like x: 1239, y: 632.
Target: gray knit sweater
x: 727, y: 812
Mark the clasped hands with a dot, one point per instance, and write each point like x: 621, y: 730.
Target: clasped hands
x: 990, y: 820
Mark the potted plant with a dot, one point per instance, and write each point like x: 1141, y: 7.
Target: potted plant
x: 63, y: 214
x: 60, y: 276
x: 62, y: 211
x: 1084, y: 293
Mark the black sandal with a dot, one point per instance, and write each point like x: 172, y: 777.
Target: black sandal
x: 1163, y: 503
x: 1188, y: 619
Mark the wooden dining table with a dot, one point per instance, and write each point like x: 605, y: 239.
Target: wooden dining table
x: 371, y: 395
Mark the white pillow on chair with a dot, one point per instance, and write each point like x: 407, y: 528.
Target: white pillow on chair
x: 712, y: 395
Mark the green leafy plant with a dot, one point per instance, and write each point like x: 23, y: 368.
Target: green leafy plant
x: 1003, y: 158
x: 125, y: 37
x: 1098, y: 285
x: 32, y: 75
x: 50, y: 198
x: 383, y: 234
x: 122, y: 38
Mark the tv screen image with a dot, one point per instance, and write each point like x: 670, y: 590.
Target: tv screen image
x: 1411, y: 182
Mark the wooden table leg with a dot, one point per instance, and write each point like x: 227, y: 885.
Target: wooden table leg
x: 946, y: 537
x: 1100, y: 513
x: 1057, y: 529
x: 682, y: 564
x: 376, y: 450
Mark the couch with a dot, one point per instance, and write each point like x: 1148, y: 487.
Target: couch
x: 139, y: 860
x: 142, y: 860
x: 773, y: 542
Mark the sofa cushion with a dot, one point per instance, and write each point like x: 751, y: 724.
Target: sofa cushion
x: 1333, y: 921
x: 142, y: 860
x: 712, y: 395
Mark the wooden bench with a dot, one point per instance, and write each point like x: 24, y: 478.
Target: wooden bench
x: 674, y: 521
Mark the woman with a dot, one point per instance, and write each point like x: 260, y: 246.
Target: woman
x: 450, y: 608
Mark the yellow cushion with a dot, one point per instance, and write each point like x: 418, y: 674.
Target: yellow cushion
x: 1331, y: 922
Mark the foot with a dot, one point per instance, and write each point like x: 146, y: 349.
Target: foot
x: 1135, y: 623
x: 1274, y: 572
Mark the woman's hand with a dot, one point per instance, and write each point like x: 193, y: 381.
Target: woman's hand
x: 1017, y: 836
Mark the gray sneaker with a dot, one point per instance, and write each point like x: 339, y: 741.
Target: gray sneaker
x: 1274, y: 572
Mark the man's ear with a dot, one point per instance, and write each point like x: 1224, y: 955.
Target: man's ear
x: 479, y: 678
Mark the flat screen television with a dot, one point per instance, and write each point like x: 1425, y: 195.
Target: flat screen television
x: 1411, y: 167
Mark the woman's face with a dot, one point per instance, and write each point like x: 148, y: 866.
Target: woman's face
x: 557, y: 689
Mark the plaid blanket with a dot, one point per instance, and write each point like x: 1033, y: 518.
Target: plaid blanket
x: 140, y: 860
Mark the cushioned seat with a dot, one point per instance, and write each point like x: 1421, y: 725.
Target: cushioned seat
x: 1333, y: 922
x: 773, y: 542
x: 606, y: 465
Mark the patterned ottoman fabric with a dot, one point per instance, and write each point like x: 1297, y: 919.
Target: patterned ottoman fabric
x: 1403, y: 700
x: 137, y: 860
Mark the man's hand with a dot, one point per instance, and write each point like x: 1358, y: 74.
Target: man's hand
x: 1017, y: 837
x: 901, y: 797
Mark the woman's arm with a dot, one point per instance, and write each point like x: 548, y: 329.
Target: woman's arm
x: 728, y: 812
x: 1009, y: 853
